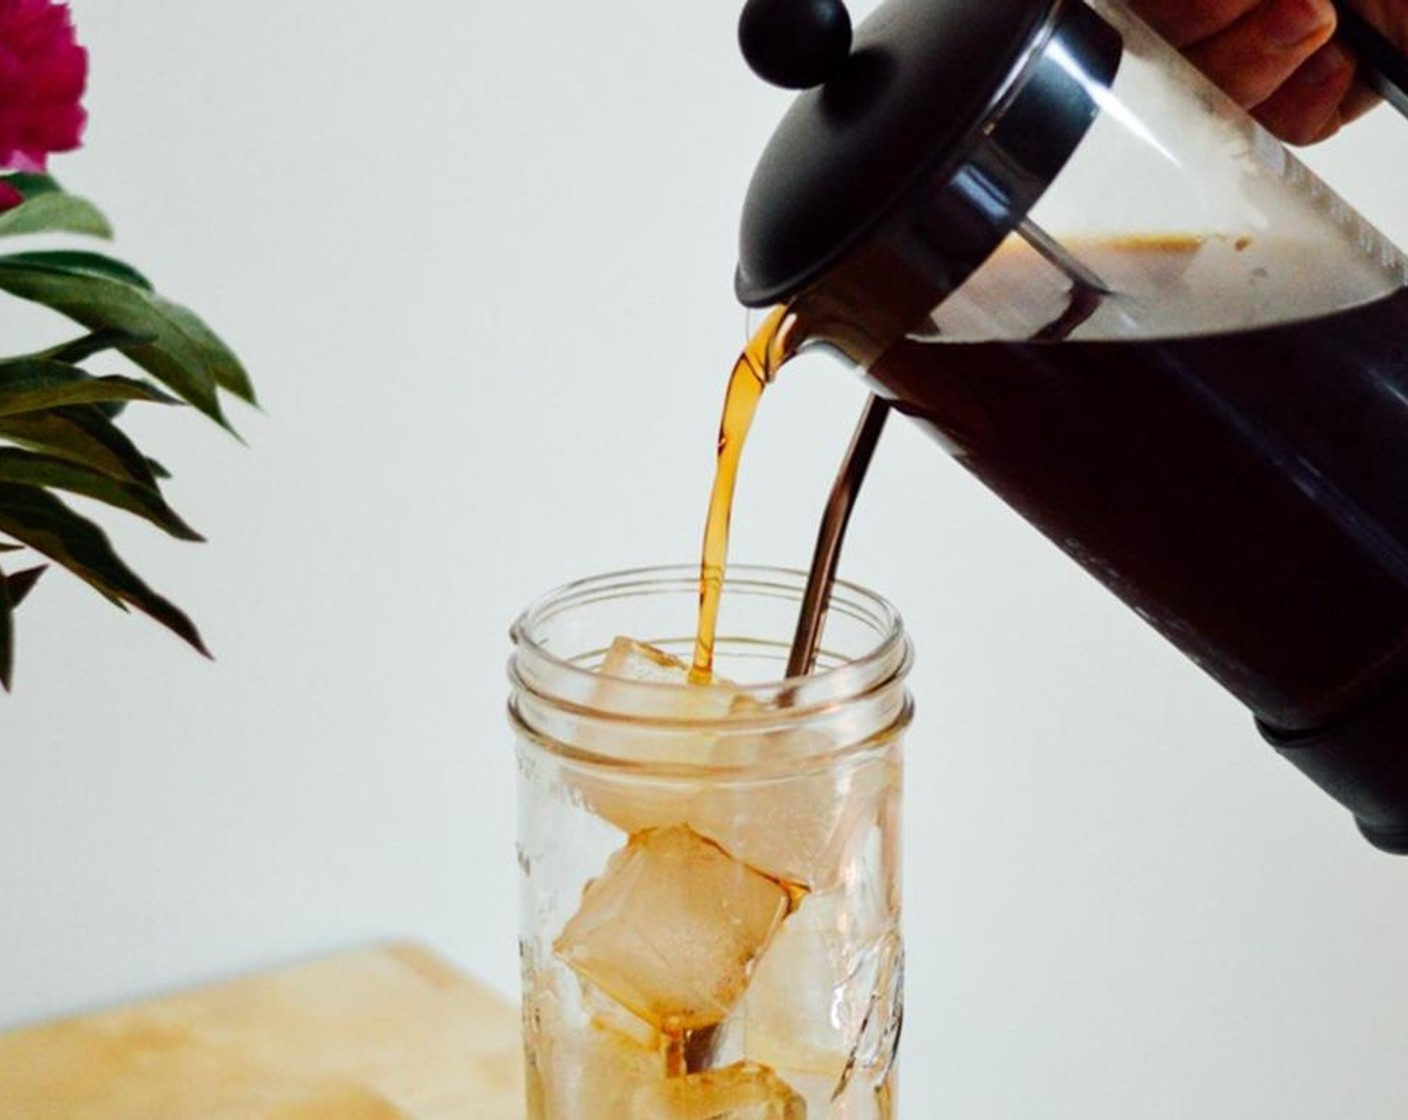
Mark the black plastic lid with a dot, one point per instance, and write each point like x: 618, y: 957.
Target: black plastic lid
x: 913, y: 97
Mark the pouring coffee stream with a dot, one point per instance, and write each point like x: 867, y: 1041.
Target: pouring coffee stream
x: 1197, y: 393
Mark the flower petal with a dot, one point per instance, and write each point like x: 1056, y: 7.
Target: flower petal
x: 43, y: 74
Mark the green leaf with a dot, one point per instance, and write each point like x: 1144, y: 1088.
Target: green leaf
x: 41, y: 521
x: 30, y: 469
x: 189, y: 361
x: 34, y: 386
x: 30, y: 183
x: 81, y: 434
x: 13, y: 591
x: 88, y: 264
x: 22, y: 583
x: 230, y: 373
x: 81, y: 349
x: 48, y: 208
x: 7, y: 635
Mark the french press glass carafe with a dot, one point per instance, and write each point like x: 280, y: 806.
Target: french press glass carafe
x: 1136, y: 318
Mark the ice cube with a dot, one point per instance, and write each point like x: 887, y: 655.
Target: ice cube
x: 641, y: 663
x: 619, y: 793
x: 795, y: 826
x: 826, y: 998
x: 580, y: 1066
x: 672, y: 928
x: 589, y: 1073
x: 739, y: 1092
x: 690, y: 1051
x: 801, y: 825
x: 608, y: 1015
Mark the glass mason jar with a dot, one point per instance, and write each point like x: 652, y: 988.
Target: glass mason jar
x: 710, y: 875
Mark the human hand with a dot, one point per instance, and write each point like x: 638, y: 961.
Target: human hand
x: 1276, y: 57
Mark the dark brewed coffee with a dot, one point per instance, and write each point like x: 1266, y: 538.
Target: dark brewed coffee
x: 1246, y: 492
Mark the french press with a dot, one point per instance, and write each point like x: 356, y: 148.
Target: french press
x: 1133, y: 315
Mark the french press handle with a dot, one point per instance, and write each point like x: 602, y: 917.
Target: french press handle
x: 1382, y: 67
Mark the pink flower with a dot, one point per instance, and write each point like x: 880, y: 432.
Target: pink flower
x: 43, y: 72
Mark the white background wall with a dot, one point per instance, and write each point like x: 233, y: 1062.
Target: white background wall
x: 478, y: 257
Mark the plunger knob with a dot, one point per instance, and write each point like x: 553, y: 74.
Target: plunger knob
x: 795, y: 44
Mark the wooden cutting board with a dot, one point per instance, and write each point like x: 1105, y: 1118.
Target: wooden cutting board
x: 391, y: 1033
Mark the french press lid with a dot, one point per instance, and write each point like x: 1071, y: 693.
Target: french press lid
x: 953, y: 116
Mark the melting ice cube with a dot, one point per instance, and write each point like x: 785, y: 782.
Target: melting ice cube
x: 740, y: 1092
x: 579, y: 1064
x: 672, y: 928
x: 799, y: 826
x: 641, y: 663
x: 590, y: 1073
x: 794, y: 826
x: 827, y: 998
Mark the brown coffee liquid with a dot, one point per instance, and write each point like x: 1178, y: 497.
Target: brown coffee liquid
x: 755, y: 369
x: 1246, y: 492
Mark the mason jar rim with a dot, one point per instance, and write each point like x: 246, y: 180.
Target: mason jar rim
x: 565, y: 682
